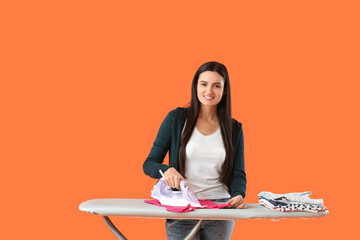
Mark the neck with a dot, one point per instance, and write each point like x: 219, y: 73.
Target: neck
x: 208, y: 113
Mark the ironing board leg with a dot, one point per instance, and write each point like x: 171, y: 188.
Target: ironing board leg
x: 193, y: 231
x: 113, y: 229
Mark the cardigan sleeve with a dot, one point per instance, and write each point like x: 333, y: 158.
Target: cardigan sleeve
x: 238, y: 183
x: 153, y: 162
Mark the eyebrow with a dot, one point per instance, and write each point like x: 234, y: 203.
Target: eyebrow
x: 207, y: 82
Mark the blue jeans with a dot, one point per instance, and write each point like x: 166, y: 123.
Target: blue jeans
x: 177, y: 229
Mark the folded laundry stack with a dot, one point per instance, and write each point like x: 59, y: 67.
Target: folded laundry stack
x: 291, y: 202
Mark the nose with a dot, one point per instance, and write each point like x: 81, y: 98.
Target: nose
x: 209, y: 90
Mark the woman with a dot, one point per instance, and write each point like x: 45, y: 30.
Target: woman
x: 206, y: 149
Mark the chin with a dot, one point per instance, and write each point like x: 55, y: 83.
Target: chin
x: 208, y: 104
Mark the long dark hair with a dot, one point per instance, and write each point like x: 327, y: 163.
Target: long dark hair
x: 224, y: 115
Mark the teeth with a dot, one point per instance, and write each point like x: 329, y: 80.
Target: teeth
x: 208, y: 97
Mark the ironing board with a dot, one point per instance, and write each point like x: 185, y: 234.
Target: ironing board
x: 138, y: 208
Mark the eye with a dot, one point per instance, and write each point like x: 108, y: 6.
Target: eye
x: 203, y: 84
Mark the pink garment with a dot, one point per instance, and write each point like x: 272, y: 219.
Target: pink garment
x: 204, y: 204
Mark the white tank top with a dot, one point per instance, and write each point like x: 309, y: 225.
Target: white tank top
x: 204, y: 158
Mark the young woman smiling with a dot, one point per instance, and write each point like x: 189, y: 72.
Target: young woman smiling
x: 206, y: 149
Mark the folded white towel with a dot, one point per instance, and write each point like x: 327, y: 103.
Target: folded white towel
x: 296, y: 197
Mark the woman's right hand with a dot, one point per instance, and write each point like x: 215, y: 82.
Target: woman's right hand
x: 172, y: 178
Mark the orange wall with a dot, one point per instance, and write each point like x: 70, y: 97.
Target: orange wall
x: 85, y: 86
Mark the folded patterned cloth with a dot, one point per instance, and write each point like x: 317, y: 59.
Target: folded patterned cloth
x: 204, y: 204
x: 290, y: 207
x: 296, y: 197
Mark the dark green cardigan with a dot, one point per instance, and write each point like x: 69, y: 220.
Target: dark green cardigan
x: 168, y: 139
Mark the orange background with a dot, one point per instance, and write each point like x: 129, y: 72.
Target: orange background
x: 85, y: 86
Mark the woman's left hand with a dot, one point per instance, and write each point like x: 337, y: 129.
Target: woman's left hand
x: 237, y: 202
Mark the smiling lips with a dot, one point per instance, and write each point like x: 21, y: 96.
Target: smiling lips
x: 208, y: 98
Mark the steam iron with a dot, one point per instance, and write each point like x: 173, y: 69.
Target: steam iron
x: 167, y: 196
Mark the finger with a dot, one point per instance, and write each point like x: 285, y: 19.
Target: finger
x: 230, y: 201
x: 235, y: 203
x: 242, y: 205
x: 177, y: 183
x: 171, y: 183
x: 168, y: 183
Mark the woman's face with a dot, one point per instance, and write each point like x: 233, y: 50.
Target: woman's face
x: 210, y: 88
